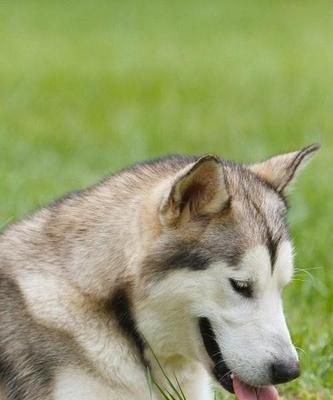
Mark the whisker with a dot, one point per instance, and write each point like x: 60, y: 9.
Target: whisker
x: 301, y: 350
x: 233, y: 370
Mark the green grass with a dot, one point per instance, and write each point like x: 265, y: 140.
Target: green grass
x: 88, y: 87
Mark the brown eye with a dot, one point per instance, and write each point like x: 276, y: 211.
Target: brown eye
x: 244, y: 288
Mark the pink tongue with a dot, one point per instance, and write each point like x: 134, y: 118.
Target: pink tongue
x: 246, y: 392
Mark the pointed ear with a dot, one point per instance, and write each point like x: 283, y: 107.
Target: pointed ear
x: 280, y: 171
x: 198, y: 189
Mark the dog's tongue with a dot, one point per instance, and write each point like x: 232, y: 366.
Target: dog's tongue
x: 246, y: 392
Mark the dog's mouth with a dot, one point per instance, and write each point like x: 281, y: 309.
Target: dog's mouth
x: 228, y: 380
x: 220, y: 370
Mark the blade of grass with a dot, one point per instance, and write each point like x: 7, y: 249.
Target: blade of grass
x: 164, y: 373
x: 162, y: 391
x: 180, y: 388
x: 150, y: 383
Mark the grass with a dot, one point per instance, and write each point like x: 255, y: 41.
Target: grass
x: 88, y: 87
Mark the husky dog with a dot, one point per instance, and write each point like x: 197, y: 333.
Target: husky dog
x: 173, y: 267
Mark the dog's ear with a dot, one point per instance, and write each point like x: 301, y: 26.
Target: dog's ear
x: 198, y: 189
x: 280, y: 171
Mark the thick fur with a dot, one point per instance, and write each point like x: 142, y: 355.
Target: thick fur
x: 93, y: 282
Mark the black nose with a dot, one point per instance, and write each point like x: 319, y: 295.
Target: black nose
x: 285, y: 371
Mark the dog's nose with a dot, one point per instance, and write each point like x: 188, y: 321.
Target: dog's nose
x: 285, y: 371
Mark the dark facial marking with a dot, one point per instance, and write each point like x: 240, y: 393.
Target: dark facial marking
x: 120, y: 306
x: 272, y: 245
x: 187, y: 256
x: 178, y: 254
x: 271, y: 242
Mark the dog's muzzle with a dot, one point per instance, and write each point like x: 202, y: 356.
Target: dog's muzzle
x: 280, y: 372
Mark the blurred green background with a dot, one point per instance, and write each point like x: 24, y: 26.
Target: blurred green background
x: 88, y: 87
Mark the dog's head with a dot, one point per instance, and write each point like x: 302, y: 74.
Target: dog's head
x: 219, y: 263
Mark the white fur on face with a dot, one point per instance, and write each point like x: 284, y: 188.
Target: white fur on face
x: 251, y: 332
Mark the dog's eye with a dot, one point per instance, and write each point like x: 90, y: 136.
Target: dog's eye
x: 242, y: 287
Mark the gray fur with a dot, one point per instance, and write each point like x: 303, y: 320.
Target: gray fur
x: 93, y: 241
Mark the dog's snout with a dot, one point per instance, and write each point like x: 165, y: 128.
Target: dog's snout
x: 285, y: 371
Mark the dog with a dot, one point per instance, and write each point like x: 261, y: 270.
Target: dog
x: 169, y: 272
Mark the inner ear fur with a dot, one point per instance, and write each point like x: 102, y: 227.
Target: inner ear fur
x: 281, y: 170
x: 198, y: 189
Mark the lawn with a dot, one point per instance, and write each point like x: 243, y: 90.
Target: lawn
x: 88, y: 87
